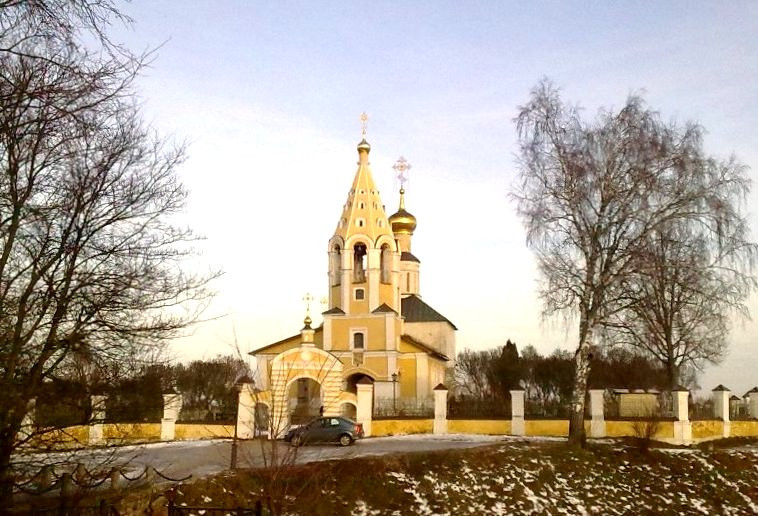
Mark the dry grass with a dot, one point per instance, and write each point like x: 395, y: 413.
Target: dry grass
x: 509, y: 478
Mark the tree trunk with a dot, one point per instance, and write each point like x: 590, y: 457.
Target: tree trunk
x: 577, y: 435
x: 6, y: 475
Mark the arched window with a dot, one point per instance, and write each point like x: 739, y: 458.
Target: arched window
x: 386, y: 262
x: 357, y: 340
x: 336, y: 265
x: 359, y: 263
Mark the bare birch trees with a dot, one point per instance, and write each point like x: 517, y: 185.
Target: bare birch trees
x: 90, y: 254
x: 593, y: 197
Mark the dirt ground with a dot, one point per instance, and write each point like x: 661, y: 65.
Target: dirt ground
x: 454, y: 475
x: 514, y: 477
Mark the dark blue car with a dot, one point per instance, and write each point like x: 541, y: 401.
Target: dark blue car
x: 333, y: 429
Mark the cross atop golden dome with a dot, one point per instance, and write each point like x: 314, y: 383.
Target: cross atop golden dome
x: 402, y: 222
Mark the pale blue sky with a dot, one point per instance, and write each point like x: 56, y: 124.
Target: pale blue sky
x: 268, y: 96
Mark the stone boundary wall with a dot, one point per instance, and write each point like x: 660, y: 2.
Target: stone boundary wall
x: 129, y: 433
x: 384, y: 427
x: 680, y: 430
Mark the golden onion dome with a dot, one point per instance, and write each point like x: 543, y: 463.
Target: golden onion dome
x: 364, y: 145
x: 402, y: 222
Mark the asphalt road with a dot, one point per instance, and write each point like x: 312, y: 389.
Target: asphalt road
x: 179, y: 459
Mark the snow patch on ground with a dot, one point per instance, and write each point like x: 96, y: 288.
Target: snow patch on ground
x: 466, y: 438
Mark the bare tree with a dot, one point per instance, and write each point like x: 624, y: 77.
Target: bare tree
x: 470, y: 373
x: 90, y: 252
x: 207, y: 386
x: 592, y: 194
x: 687, y: 285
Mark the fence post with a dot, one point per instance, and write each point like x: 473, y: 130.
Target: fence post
x: 752, y: 402
x: 440, y: 409
x: 363, y: 412
x: 682, y: 425
x: 721, y: 397
x: 96, y: 435
x: 597, y: 412
x: 246, y: 412
x: 517, y: 412
x: 172, y: 405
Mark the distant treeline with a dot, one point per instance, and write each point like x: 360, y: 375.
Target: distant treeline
x: 548, y: 380
x: 206, y: 386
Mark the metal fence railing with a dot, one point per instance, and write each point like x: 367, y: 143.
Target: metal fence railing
x: 403, y: 407
x: 470, y: 407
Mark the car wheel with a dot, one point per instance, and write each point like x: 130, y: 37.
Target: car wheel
x: 346, y: 440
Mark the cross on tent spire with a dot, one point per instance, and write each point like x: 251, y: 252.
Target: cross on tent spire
x: 364, y: 120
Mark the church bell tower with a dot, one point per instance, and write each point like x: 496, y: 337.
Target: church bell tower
x: 363, y: 253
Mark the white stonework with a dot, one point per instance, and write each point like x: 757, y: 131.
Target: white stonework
x: 752, y: 405
x: 364, y: 409
x: 681, y: 405
x: 682, y: 432
x: 597, y: 423
x: 440, y: 410
x: 246, y: 412
x: 518, y: 426
x: 721, y: 408
x: 172, y: 405
x: 96, y: 435
x: 682, y: 426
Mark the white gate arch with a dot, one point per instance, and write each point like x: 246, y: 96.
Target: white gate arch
x: 305, y: 361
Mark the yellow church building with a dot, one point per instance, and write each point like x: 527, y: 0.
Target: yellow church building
x: 376, y: 331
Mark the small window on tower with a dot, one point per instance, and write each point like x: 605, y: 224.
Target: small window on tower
x: 357, y: 341
x: 359, y: 294
x: 360, y: 223
x: 361, y: 205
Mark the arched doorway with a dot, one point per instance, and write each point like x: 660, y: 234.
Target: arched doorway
x: 304, y: 400
x: 262, y: 420
x: 351, y: 381
x: 349, y: 411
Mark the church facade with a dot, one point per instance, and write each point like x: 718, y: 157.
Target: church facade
x: 377, y: 328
